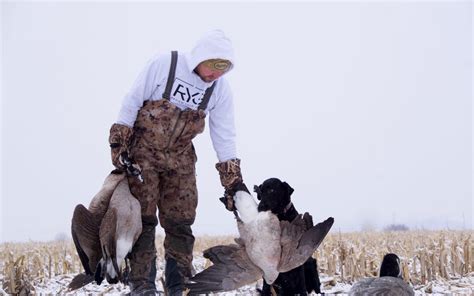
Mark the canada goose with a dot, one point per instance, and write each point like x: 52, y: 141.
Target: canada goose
x: 92, y: 229
x: 118, y: 232
x: 85, y: 226
x: 389, y: 283
x: 265, y: 248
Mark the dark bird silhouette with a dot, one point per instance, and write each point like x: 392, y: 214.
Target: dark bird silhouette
x: 389, y: 283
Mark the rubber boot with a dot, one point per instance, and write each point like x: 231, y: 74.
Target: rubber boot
x: 174, y: 280
x: 143, y: 260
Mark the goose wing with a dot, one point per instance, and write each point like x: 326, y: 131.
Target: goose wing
x: 100, y: 202
x: 300, y: 239
x: 231, y: 270
x: 80, y: 281
x: 85, y: 234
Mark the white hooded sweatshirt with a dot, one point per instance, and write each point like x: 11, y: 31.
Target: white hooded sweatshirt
x: 188, y: 90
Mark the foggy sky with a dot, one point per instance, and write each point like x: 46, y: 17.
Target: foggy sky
x: 364, y: 108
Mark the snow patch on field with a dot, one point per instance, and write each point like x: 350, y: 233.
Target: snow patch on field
x: 330, y: 285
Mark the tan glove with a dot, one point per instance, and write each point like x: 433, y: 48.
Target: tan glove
x: 231, y: 180
x: 119, y: 140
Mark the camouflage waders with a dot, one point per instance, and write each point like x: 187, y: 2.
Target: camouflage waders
x: 162, y: 146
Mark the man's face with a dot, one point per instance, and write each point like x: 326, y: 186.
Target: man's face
x: 211, y: 70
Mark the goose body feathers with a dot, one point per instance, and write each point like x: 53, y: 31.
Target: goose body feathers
x: 105, y: 232
x: 265, y: 248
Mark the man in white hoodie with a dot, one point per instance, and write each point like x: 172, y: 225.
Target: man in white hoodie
x: 159, y: 117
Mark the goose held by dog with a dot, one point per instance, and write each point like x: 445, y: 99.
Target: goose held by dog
x: 265, y: 248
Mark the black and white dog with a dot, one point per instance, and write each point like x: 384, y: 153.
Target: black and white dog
x: 275, y: 195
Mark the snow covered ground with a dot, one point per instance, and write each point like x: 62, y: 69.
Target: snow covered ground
x: 57, y: 285
x: 31, y: 264
x: 330, y: 285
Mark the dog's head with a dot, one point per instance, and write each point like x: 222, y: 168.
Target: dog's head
x: 273, y: 195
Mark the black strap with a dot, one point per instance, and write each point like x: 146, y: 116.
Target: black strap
x: 171, y: 75
x: 206, y: 97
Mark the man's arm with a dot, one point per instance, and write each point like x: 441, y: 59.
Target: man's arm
x: 222, y: 130
x: 142, y: 89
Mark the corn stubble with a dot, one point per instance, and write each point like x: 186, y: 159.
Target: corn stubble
x: 346, y: 257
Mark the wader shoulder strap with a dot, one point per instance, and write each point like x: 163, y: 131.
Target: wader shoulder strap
x: 171, y: 75
x: 206, y: 97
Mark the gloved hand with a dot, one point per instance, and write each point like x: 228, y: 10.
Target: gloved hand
x: 119, y: 140
x: 231, y: 180
x: 132, y: 168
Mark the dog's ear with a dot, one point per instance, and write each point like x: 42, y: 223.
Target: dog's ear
x: 288, y: 188
x: 256, y: 189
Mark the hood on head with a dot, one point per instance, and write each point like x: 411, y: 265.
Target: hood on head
x: 212, y: 45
